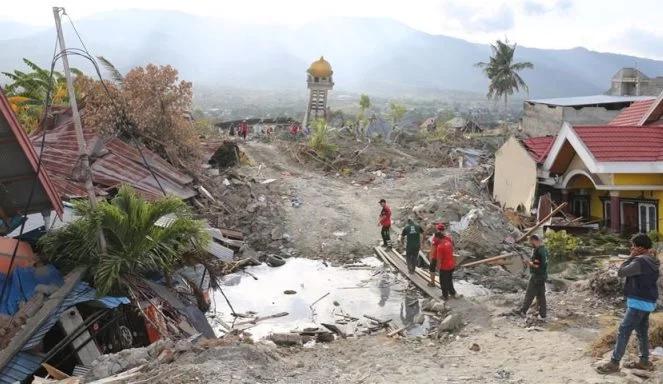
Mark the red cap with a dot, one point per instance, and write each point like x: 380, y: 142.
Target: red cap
x: 440, y: 226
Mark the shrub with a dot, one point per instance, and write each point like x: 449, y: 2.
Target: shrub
x: 561, y: 244
x: 319, y: 140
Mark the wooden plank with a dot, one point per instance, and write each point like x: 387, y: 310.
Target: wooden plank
x: 71, y: 320
x: 398, y: 261
x: 541, y: 222
x: 488, y: 260
x: 33, y: 323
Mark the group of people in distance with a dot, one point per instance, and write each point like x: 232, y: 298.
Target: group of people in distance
x: 640, y: 270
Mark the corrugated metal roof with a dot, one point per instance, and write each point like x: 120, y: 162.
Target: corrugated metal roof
x: 113, y: 162
x: 24, y: 364
x: 579, y: 101
x: 20, y: 166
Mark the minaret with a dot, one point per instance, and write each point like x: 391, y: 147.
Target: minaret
x: 319, y: 81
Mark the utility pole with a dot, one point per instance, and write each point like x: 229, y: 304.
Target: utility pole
x: 78, y: 127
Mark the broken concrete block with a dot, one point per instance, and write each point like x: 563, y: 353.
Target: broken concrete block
x: 451, y: 323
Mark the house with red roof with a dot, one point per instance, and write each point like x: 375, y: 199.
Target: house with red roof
x: 606, y: 172
x: 612, y: 172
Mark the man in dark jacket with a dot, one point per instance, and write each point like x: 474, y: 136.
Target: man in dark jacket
x: 538, y: 267
x: 413, y: 234
x: 641, y: 291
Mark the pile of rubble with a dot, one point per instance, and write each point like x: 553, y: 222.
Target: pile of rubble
x: 478, y: 226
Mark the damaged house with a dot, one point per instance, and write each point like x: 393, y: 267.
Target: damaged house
x: 608, y: 173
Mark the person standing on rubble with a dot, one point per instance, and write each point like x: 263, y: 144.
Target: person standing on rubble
x: 641, y: 271
x: 445, y: 263
x: 439, y: 228
x: 538, y: 267
x: 244, y: 129
x: 413, y: 234
x: 384, y: 221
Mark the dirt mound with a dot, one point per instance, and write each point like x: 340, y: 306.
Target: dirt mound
x: 606, y: 283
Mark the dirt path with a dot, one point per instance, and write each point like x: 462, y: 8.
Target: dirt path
x: 335, y: 219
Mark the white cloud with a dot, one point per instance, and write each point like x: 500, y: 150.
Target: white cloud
x: 595, y: 24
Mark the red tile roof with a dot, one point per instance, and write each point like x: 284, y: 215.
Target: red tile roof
x: 113, y: 162
x: 539, y: 147
x: 627, y: 143
x: 632, y: 114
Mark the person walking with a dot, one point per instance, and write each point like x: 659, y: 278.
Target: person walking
x: 413, y: 234
x: 445, y: 263
x: 538, y: 267
x: 384, y: 221
x: 641, y: 271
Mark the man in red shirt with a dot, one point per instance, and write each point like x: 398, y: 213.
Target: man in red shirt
x: 445, y: 263
x: 244, y: 129
x: 439, y: 228
x: 384, y: 221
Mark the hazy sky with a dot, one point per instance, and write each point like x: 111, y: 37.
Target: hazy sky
x: 632, y: 27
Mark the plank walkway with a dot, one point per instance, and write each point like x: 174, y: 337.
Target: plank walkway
x: 420, y: 278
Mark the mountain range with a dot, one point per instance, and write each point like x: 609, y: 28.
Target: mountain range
x: 379, y: 56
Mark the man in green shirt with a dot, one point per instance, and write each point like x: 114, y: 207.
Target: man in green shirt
x: 538, y: 269
x: 413, y: 234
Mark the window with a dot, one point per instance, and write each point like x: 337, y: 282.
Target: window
x: 317, y: 79
x: 581, y: 206
x: 647, y: 217
x: 607, y: 214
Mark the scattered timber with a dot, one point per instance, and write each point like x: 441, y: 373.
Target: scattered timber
x: 419, y: 279
x: 541, y: 222
x: 261, y: 318
x: 488, y: 260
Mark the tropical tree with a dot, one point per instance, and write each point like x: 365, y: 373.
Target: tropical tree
x: 138, y: 242
x: 362, y: 121
x: 395, y: 114
x: 27, y: 92
x: 503, y: 72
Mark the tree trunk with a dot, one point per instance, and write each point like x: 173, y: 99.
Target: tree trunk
x: 505, y: 106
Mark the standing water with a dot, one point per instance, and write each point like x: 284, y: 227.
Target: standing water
x: 312, y: 293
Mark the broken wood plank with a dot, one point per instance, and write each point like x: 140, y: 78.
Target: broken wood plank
x: 33, y: 323
x: 488, y: 260
x: 122, y: 376
x: 375, y: 319
x: 335, y: 329
x: 419, y: 279
x: 55, y: 373
x: 396, y: 332
x: 87, y: 351
x: 259, y: 318
x: 541, y: 222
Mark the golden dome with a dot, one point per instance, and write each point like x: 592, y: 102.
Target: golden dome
x: 320, y: 68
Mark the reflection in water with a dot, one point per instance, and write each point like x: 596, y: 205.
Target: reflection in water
x: 351, y: 292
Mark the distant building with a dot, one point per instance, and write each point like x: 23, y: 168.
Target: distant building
x: 543, y: 117
x: 463, y: 125
x: 319, y: 80
x: 632, y: 82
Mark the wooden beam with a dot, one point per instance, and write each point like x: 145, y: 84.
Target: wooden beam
x: 71, y: 320
x: 540, y: 223
x: 418, y: 278
x: 33, y: 323
x: 488, y: 260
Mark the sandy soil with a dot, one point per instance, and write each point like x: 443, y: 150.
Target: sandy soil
x: 509, y: 352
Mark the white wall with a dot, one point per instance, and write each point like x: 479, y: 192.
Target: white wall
x: 515, y: 176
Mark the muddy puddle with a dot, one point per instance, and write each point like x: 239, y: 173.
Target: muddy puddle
x: 312, y: 292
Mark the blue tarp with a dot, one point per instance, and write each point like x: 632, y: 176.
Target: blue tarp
x: 22, y: 284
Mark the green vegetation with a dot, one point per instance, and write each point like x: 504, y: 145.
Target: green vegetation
x: 395, y: 115
x: 561, y: 245
x: 319, y: 141
x: 362, y: 120
x: 503, y: 72
x: 27, y: 93
x: 135, y: 245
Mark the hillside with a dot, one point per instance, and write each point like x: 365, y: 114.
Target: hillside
x: 372, y: 55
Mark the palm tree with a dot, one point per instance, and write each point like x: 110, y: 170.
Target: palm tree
x: 115, y: 74
x: 138, y: 242
x: 364, y: 104
x: 503, y: 72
